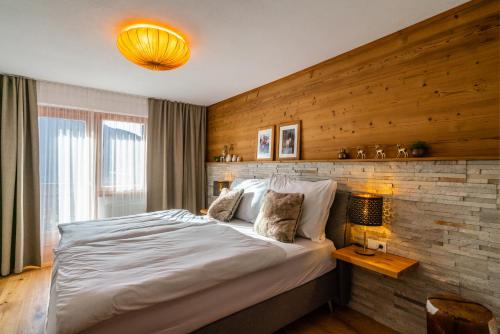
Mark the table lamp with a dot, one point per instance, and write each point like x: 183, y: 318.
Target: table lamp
x: 365, y: 210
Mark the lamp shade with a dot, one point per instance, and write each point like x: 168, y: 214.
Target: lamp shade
x: 366, y: 209
x: 219, y: 185
x: 153, y: 47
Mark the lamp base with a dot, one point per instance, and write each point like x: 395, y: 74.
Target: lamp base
x: 365, y: 252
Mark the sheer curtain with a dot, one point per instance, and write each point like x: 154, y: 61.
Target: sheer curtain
x: 91, y: 166
x: 121, y: 165
x: 66, y: 170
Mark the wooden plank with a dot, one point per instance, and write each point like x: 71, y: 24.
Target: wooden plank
x: 383, y: 263
x: 341, y: 321
x: 24, y: 300
x: 436, y: 81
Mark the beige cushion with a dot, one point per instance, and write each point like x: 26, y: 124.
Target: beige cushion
x: 225, y: 205
x: 279, y: 215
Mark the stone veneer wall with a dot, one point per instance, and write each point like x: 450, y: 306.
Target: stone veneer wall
x: 445, y: 214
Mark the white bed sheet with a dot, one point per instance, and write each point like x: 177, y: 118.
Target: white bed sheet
x: 306, y: 260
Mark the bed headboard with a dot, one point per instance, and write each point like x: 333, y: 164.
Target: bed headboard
x: 335, y: 227
x: 335, y: 231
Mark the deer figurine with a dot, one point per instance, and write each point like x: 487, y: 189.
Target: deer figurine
x: 402, y: 151
x: 380, y: 152
x: 361, y: 153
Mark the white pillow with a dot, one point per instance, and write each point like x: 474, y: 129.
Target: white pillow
x: 254, y: 191
x: 318, y: 198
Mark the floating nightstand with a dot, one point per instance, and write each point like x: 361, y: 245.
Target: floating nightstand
x: 383, y: 263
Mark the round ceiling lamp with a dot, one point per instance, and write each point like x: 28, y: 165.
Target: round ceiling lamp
x: 153, y: 47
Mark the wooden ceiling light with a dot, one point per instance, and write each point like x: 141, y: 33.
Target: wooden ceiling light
x: 153, y: 47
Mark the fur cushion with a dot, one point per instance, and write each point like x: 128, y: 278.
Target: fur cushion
x: 225, y: 205
x: 279, y: 216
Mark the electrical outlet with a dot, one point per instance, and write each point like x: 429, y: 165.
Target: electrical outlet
x: 377, y: 245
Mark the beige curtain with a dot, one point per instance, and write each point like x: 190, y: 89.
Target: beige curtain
x: 176, y: 140
x: 19, y: 181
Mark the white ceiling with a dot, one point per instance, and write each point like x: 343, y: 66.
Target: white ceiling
x: 236, y: 45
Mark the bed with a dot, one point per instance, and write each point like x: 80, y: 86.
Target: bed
x: 259, y: 301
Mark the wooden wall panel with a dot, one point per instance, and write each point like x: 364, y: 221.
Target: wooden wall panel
x: 437, y: 81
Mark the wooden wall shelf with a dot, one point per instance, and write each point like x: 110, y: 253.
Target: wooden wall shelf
x: 383, y: 263
x: 362, y: 160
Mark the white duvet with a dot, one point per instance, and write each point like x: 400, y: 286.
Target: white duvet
x: 105, y: 268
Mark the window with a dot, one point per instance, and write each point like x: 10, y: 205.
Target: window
x: 92, y: 165
x: 122, y: 156
x: 121, y: 175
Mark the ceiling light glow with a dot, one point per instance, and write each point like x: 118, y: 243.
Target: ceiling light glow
x: 153, y: 47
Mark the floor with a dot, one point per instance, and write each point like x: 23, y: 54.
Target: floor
x: 23, y: 301
x: 24, y: 298
x: 341, y: 321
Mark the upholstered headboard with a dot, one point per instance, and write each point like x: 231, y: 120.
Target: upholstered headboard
x: 335, y: 227
x: 335, y: 231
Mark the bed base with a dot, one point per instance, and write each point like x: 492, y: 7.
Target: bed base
x: 279, y: 311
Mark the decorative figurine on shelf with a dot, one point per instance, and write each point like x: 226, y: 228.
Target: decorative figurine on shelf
x: 361, y: 153
x: 235, y: 158
x: 239, y: 159
x: 229, y: 156
x: 419, y: 149
x: 216, y: 159
x: 342, y: 153
x: 402, y: 151
x: 224, y: 152
x: 380, y: 152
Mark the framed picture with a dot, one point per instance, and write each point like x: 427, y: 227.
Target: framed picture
x: 265, y: 143
x: 289, y: 141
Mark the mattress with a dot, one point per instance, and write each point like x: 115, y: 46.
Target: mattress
x: 305, y: 261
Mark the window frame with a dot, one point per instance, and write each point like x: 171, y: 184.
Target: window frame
x: 93, y: 125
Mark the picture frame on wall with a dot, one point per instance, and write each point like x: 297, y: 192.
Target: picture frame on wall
x: 289, y: 141
x: 265, y: 143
